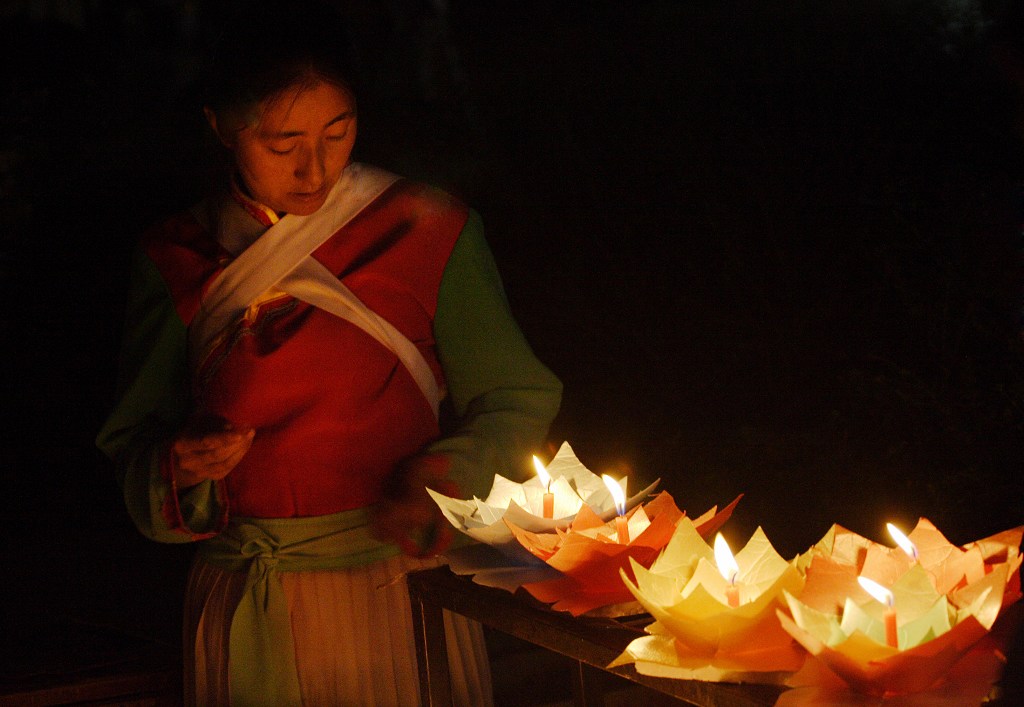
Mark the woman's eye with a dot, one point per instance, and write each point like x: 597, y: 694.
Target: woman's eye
x: 281, y: 152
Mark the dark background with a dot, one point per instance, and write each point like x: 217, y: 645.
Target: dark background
x: 770, y: 248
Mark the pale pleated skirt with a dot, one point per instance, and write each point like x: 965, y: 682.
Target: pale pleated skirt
x: 352, y: 630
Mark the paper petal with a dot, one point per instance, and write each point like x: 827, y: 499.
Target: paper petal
x: 684, y: 591
x: 591, y: 561
x: 491, y: 568
x: 968, y: 682
x: 709, y: 523
x: 663, y: 656
x: 591, y: 566
x: 870, y: 667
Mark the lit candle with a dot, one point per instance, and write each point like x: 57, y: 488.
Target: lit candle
x: 619, y: 496
x: 884, y: 596
x: 729, y: 569
x: 545, y: 478
x: 903, y: 541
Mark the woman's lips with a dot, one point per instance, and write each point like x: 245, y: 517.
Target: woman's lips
x: 308, y: 196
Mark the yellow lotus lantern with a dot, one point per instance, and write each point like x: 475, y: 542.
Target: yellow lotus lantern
x: 699, y: 631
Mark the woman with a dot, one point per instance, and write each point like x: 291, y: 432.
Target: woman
x: 304, y: 355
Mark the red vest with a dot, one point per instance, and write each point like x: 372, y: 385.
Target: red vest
x: 334, y: 410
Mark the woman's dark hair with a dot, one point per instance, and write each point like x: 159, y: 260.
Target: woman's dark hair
x: 261, y: 48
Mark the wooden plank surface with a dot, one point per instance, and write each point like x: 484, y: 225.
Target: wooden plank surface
x: 592, y: 641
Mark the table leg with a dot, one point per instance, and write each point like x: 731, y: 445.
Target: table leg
x: 586, y: 687
x: 431, y: 653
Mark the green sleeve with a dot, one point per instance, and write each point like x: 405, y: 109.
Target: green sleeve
x: 503, y: 397
x: 151, y: 405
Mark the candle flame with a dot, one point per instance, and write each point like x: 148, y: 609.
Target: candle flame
x: 876, y: 590
x: 618, y: 495
x: 542, y: 472
x: 724, y: 559
x: 902, y: 540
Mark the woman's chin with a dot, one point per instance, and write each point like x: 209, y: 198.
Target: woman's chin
x: 304, y: 210
x: 304, y: 205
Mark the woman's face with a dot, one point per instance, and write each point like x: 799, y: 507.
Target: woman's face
x: 294, y: 153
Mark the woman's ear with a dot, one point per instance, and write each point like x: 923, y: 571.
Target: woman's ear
x: 211, y: 118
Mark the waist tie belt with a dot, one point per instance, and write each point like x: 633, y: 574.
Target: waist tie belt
x: 261, y: 653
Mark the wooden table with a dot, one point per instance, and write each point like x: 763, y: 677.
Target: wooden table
x: 65, y: 661
x: 591, y: 642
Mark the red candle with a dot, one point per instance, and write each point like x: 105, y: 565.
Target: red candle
x: 890, y: 628
x: 619, y: 498
x: 883, y: 596
x: 549, y: 505
x: 548, y: 508
x: 622, y: 528
x: 729, y: 569
x: 732, y: 595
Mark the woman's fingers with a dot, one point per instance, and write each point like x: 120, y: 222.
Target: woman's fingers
x: 212, y: 442
x: 415, y: 524
x: 213, y: 455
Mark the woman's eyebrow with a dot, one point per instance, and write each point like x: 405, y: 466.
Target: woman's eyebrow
x: 347, y: 115
x: 284, y: 134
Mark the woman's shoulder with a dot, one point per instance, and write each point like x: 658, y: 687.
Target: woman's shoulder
x: 418, y: 196
x: 188, y: 228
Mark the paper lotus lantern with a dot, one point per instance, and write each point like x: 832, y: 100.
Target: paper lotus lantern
x: 590, y: 558
x: 949, y: 567
x: 946, y: 599
x: 968, y: 682
x: 573, y: 485
x: 697, y: 634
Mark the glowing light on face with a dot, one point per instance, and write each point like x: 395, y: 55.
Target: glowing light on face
x: 290, y: 158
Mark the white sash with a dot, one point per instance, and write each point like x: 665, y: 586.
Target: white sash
x: 281, y: 257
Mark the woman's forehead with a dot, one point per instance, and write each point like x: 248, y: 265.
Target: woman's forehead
x: 304, y: 106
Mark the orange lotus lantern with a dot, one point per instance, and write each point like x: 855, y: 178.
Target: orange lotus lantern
x: 925, y: 636
x: 590, y: 555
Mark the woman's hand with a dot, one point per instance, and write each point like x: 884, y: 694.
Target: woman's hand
x: 208, y: 450
x: 407, y: 515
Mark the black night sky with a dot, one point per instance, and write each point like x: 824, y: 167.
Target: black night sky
x: 770, y: 248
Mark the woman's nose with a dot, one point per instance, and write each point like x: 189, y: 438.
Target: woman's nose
x: 311, y: 167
